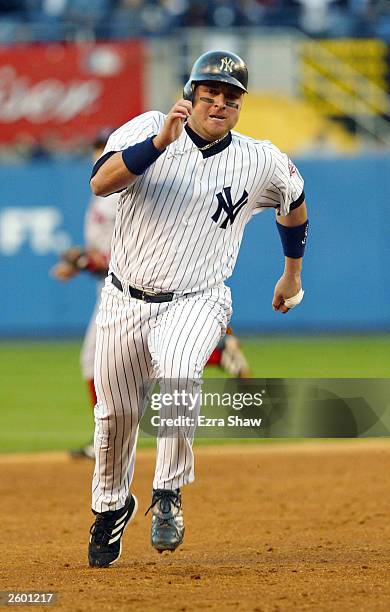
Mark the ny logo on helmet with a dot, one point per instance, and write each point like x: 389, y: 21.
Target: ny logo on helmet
x: 225, y: 204
x: 227, y: 64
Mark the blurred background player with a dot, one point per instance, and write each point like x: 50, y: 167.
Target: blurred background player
x: 229, y: 357
x: 93, y: 257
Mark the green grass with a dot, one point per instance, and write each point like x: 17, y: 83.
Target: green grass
x: 323, y: 357
x: 44, y: 403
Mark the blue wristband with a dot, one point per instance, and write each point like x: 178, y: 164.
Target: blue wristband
x: 140, y: 156
x: 293, y: 239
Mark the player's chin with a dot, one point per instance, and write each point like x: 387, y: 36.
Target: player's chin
x: 217, y: 128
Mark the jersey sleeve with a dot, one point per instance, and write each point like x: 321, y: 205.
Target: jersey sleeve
x: 284, y: 185
x: 134, y: 131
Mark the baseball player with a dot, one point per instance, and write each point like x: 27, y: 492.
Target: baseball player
x: 93, y: 258
x: 189, y: 185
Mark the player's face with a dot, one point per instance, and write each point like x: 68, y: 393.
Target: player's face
x: 216, y: 109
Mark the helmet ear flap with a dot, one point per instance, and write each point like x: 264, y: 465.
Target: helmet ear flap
x: 188, y: 91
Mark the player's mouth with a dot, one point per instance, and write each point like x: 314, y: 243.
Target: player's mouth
x: 217, y: 117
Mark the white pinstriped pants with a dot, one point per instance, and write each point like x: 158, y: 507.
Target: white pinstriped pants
x: 138, y: 341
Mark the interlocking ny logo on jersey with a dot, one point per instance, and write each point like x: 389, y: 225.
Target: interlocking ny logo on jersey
x: 225, y: 204
x: 227, y: 64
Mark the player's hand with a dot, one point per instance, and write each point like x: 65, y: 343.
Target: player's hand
x: 97, y: 260
x: 63, y: 271
x: 173, y: 125
x: 233, y: 360
x: 287, y: 286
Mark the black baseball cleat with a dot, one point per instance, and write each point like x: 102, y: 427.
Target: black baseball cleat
x: 105, y: 544
x: 167, y: 521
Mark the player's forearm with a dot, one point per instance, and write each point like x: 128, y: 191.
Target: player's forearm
x: 293, y: 230
x: 112, y: 176
x: 293, y: 267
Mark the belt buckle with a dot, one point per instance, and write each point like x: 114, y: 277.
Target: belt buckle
x: 147, y: 294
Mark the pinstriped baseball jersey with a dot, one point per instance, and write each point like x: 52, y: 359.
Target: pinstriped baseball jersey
x: 180, y: 225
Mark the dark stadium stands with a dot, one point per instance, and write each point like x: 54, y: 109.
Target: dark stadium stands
x: 46, y: 20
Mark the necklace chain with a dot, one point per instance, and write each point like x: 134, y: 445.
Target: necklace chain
x: 211, y: 144
x: 195, y: 148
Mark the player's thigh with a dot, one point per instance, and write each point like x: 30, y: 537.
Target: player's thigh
x: 122, y: 359
x: 185, y: 335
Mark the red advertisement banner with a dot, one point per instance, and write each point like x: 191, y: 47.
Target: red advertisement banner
x: 68, y: 91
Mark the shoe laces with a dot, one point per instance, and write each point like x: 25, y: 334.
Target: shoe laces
x: 166, y: 499
x: 101, y: 529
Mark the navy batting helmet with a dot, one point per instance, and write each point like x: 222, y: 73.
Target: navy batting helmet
x: 222, y: 66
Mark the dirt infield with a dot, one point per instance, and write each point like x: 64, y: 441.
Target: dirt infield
x: 273, y: 527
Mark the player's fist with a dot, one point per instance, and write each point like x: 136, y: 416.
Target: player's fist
x: 173, y: 124
x: 288, y: 286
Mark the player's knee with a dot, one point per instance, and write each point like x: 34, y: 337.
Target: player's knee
x: 113, y: 418
x: 177, y: 371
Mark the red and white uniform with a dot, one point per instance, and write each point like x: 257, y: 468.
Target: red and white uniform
x: 98, y: 228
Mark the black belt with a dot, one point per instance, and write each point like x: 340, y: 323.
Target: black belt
x: 142, y: 295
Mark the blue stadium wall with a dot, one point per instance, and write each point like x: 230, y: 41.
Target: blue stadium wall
x: 346, y: 272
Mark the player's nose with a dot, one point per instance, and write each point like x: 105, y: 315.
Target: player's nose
x: 220, y: 99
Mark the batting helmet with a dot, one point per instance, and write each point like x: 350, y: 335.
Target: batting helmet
x: 222, y: 66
